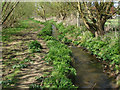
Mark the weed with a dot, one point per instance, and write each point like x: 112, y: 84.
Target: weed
x: 35, y: 86
x: 35, y: 46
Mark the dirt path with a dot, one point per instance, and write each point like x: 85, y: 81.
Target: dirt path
x: 18, y: 50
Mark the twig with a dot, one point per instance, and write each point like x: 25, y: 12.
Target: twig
x: 93, y: 86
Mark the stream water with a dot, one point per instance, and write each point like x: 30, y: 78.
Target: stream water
x: 89, y: 70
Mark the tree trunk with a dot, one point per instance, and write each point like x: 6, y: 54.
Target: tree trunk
x: 10, y: 12
x: 44, y: 14
x: 3, y: 6
x: 97, y: 16
x: 96, y: 30
x: 64, y: 16
x: 78, y: 19
x: 100, y: 28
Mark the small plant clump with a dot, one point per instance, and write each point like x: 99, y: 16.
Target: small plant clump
x: 35, y: 46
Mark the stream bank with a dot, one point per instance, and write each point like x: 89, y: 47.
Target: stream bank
x: 89, y: 70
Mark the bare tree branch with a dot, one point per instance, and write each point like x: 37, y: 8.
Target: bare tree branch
x: 10, y: 12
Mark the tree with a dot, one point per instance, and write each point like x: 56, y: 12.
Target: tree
x: 95, y: 15
x: 57, y: 9
x: 12, y: 12
x: 118, y: 10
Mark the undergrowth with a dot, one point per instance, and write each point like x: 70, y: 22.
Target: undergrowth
x: 11, y: 64
x: 34, y: 46
x: 59, y: 57
x: 106, y: 48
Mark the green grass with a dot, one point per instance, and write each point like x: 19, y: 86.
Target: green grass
x: 9, y: 32
x: 112, y: 22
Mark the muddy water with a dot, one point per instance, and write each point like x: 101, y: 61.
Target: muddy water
x: 89, y: 70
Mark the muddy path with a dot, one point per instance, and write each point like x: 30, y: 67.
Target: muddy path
x: 17, y: 50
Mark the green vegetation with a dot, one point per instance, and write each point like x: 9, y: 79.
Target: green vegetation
x: 105, y: 47
x: 22, y: 64
x: 46, y: 31
x: 34, y: 46
x: 11, y: 78
x: 112, y: 22
x: 12, y: 63
x: 92, y: 28
x: 59, y: 57
x: 9, y: 33
x: 35, y: 86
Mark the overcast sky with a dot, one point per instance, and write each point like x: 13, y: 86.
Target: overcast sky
x: 116, y: 4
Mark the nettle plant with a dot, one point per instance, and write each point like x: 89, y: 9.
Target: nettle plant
x: 35, y: 46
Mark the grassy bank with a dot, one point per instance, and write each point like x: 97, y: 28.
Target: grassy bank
x: 106, y: 48
x: 59, y: 57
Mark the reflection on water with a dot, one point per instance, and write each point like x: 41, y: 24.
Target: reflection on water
x: 89, y: 71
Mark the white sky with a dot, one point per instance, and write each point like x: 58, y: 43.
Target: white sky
x: 116, y: 4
